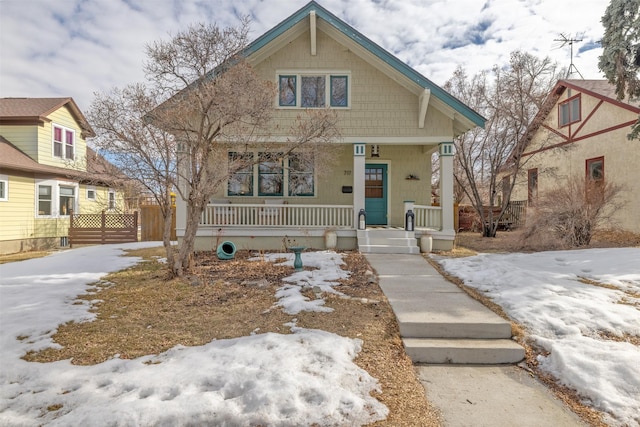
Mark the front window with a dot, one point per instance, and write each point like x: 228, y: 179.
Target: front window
x: 44, y: 199
x: 301, y: 181
x: 4, y: 188
x: 67, y: 200
x: 316, y: 90
x: 532, y: 185
x: 63, y: 142
x: 240, y: 174
x: 270, y: 174
x: 569, y: 111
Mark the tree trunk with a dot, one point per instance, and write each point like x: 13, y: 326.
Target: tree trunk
x: 182, y: 263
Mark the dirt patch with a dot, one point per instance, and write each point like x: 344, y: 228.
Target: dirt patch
x: 22, y: 256
x: 141, y: 312
x: 514, y: 241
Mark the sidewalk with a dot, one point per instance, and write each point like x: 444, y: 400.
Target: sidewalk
x: 466, y: 395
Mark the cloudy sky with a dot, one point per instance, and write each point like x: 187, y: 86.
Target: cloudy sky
x: 52, y: 48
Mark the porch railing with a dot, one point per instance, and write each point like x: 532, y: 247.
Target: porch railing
x: 263, y: 215
x: 428, y: 216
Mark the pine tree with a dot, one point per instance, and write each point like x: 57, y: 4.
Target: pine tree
x: 620, y: 60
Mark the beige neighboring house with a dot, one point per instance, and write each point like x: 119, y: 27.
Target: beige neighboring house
x: 392, y: 119
x: 47, y: 171
x: 582, y: 132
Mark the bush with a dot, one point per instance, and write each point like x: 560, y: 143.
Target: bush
x: 569, y: 215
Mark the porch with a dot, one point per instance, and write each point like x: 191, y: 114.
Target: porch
x: 277, y: 226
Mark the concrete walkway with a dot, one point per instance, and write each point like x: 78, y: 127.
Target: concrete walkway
x: 466, y: 395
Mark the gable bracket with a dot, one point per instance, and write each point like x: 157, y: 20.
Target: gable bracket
x: 422, y: 110
x: 312, y: 31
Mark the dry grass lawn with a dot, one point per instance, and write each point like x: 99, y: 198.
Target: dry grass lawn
x: 141, y: 312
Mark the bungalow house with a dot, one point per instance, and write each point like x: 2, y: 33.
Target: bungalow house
x: 391, y: 118
x: 47, y: 171
x: 582, y: 132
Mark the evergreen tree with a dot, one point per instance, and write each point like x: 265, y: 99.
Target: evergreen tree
x: 620, y: 60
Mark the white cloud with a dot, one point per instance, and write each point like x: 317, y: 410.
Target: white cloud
x: 75, y: 48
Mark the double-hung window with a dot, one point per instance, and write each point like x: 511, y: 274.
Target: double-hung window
x: 112, y: 200
x: 67, y: 200
x: 270, y: 174
x: 55, y: 198
x: 240, y: 174
x: 313, y: 90
x: 301, y: 180
x: 63, y: 142
x: 45, y: 199
x: 569, y: 111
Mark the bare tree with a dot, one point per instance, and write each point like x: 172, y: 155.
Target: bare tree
x: 509, y: 98
x: 138, y: 149
x: 620, y: 59
x: 216, y: 103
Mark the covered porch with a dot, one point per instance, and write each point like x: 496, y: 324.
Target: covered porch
x: 278, y: 223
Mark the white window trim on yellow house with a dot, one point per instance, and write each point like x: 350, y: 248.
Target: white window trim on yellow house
x: 327, y: 74
x: 4, y: 188
x: 91, y: 193
x: 63, y: 151
x: 55, y: 197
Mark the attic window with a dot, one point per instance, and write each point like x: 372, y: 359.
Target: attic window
x: 313, y: 90
x: 569, y: 111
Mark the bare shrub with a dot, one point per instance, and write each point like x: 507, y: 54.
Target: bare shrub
x: 569, y: 215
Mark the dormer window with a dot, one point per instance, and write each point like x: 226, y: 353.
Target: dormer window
x: 313, y: 90
x: 63, y: 142
x: 569, y: 111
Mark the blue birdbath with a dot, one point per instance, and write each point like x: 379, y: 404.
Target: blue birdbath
x: 297, y: 250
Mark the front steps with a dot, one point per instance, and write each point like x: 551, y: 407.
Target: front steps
x: 387, y: 241
x: 439, y: 323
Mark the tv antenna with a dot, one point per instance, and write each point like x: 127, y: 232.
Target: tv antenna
x: 568, y: 40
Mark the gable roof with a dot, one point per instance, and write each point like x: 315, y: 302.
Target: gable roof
x: 463, y: 116
x: 99, y: 170
x: 37, y: 110
x: 601, y: 89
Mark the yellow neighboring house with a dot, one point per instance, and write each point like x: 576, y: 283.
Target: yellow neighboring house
x: 582, y: 132
x: 46, y: 171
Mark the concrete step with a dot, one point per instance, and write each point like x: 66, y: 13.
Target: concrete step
x: 387, y: 249
x: 500, y: 329
x: 463, y: 351
x: 386, y: 233
x: 394, y: 241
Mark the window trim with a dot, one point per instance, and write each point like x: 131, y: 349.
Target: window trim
x: 328, y: 87
x: 64, y: 132
x: 55, y: 197
x: 112, y: 203
x: 92, y: 189
x: 568, y: 103
x: 588, y: 163
x: 4, y: 181
x: 254, y: 191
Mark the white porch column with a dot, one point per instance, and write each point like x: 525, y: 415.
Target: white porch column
x: 358, y: 180
x: 446, y: 152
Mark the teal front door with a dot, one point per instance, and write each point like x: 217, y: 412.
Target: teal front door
x: 375, y: 193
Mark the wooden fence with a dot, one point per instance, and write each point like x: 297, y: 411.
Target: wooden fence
x: 152, y: 228
x: 102, y: 228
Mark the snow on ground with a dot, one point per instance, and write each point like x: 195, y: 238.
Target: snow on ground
x: 269, y: 379
x: 554, y: 295
x: 327, y: 271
